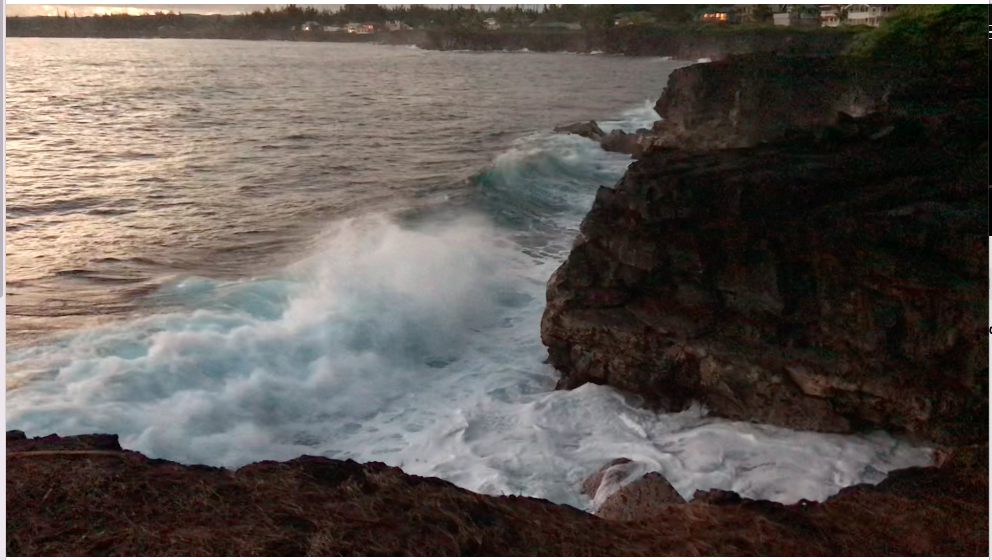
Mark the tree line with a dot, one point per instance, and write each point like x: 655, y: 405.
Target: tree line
x: 292, y: 15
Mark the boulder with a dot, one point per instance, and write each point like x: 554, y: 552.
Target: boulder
x: 619, y: 141
x: 588, y: 130
x: 648, y: 497
x: 606, y: 474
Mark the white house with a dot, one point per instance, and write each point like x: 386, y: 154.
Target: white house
x: 331, y: 29
x: 794, y: 15
x: 867, y: 14
x: 829, y: 15
x: 491, y: 24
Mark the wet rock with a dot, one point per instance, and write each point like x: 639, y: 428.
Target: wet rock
x: 588, y: 130
x: 642, y: 499
x: 606, y: 474
x: 619, y: 141
x: 832, y: 282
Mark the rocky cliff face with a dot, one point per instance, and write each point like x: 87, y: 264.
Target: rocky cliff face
x: 833, y: 281
x: 746, y: 100
x: 86, y: 496
x: 682, y: 44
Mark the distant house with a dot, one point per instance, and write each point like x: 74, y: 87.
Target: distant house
x: 361, y: 28
x: 331, y: 29
x: 835, y: 15
x: 312, y: 26
x: 829, y: 15
x: 867, y: 14
x: 724, y: 16
x: 796, y: 15
x: 491, y: 24
x: 397, y: 26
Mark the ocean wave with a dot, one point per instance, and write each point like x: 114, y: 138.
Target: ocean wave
x: 415, y: 345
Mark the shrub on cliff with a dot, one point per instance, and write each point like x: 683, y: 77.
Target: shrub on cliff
x: 928, y: 35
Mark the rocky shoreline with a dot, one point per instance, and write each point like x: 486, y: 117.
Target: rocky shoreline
x: 817, y: 268
x: 680, y: 44
x: 86, y: 496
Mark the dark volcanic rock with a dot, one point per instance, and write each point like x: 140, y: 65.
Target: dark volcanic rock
x: 623, y: 142
x: 614, y: 141
x: 17, y: 441
x: 745, y: 100
x: 588, y: 130
x: 827, y: 282
x: 648, y: 497
x: 64, y: 498
x: 606, y: 474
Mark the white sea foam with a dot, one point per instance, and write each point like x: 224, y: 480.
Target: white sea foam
x: 633, y: 119
x: 419, y: 347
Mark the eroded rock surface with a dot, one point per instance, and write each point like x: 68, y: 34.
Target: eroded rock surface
x: 645, y: 498
x: 742, y: 101
x: 588, y: 130
x: 73, y: 496
x: 830, y: 281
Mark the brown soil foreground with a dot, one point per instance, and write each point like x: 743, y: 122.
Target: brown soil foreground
x: 85, y: 496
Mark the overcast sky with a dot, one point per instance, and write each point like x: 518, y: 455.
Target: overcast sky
x: 90, y: 9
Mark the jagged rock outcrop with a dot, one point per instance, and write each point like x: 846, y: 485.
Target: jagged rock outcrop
x: 588, y: 130
x: 746, y: 100
x: 633, y: 143
x: 644, y: 498
x: 742, y: 101
x: 835, y: 280
x: 65, y: 497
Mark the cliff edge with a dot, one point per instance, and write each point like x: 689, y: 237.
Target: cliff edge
x: 85, y: 496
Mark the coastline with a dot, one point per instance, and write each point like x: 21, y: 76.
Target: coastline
x: 758, y: 273
x: 679, y: 44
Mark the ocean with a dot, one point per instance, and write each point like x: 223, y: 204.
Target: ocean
x: 229, y: 251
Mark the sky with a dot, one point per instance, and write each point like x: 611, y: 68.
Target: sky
x: 136, y: 9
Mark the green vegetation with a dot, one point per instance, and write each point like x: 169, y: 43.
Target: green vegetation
x: 928, y: 35
x: 638, y: 29
x: 270, y: 22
